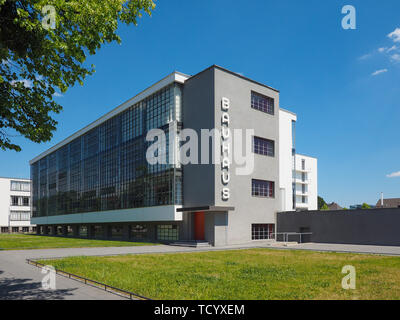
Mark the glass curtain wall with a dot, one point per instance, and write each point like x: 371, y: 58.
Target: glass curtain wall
x: 106, y: 168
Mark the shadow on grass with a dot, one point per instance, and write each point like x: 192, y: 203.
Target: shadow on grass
x: 26, y: 289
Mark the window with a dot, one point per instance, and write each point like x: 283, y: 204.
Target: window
x: 167, y: 232
x: 4, y: 229
x: 19, y: 201
x: 263, y: 146
x: 303, y: 164
x: 303, y: 188
x: 116, y: 232
x: 20, y: 215
x: 25, y: 201
x: 14, y: 201
x: 262, y: 188
x: 83, y: 232
x: 138, y: 232
x: 25, y: 229
x: 106, y: 168
x: 15, y: 229
x: 20, y: 186
x: 262, y: 231
x: 262, y: 103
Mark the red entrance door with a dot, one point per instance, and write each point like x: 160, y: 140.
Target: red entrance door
x: 199, y: 226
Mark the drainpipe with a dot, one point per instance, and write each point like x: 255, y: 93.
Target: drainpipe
x: 382, y: 199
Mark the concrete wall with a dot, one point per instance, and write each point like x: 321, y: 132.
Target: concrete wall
x: 311, y: 183
x: 369, y: 227
x: 286, y: 158
x: 248, y: 209
x: 202, y: 97
x: 198, y: 113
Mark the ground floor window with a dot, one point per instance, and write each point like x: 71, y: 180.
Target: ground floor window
x: 25, y: 229
x: 139, y: 232
x: 70, y: 231
x: 15, y: 229
x: 4, y: 229
x: 262, y: 231
x: 98, y: 231
x: 168, y: 232
x: 83, y: 231
x: 116, y: 232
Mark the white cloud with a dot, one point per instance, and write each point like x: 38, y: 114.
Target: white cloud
x: 391, y: 49
x: 382, y: 49
x: 394, y: 175
x: 27, y: 83
x: 379, y: 72
x: 365, y: 56
x: 395, y: 35
x: 395, y: 57
x: 57, y: 94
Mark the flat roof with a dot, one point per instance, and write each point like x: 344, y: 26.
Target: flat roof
x: 287, y: 111
x: 235, y: 74
x: 13, y: 178
x: 303, y: 155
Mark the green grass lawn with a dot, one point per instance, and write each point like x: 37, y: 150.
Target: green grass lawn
x: 242, y: 274
x: 24, y: 241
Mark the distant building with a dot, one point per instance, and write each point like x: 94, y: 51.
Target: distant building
x: 359, y: 206
x: 334, y: 206
x: 15, y: 201
x: 388, y: 203
x: 298, y: 173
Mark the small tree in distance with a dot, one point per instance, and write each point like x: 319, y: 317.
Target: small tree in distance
x: 365, y: 206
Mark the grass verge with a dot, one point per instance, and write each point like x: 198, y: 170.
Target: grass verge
x: 242, y: 274
x: 23, y: 241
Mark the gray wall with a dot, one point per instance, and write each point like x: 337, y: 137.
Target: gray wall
x: 198, y: 113
x: 369, y: 227
x: 202, y: 96
x: 248, y: 209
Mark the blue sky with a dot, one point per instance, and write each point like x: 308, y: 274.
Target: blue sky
x: 347, y: 117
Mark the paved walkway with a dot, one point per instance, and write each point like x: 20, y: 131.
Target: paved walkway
x: 18, y: 280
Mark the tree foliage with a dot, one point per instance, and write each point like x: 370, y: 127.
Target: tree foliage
x: 39, y: 62
x: 321, y: 203
x: 365, y: 206
x: 324, y: 207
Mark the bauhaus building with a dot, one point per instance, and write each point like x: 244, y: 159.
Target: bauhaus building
x: 99, y: 183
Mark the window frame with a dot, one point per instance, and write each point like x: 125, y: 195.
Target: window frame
x: 262, y: 96
x: 266, y: 141
x: 270, y: 189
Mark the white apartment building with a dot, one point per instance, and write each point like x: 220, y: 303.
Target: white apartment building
x: 15, y: 201
x: 298, y: 173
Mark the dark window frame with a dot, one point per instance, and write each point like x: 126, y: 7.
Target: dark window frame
x: 263, y: 150
x: 262, y: 103
x: 263, y: 188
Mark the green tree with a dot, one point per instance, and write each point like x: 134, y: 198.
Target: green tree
x: 41, y: 57
x: 321, y: 203
x: 324, y: 207
x: 365, y: 206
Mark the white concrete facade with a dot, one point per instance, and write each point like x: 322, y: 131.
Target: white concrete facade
x: 306, y: 181
x: 298, y: 173
x: 15, y: 210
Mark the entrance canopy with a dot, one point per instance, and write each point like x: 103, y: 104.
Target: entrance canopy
x: 206, y: 209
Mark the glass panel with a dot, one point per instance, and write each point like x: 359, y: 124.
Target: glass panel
x: 106, y: 168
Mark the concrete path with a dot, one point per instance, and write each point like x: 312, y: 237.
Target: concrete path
x: 19, y: 280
